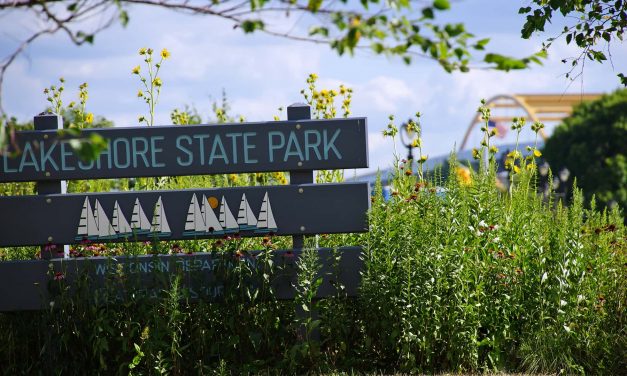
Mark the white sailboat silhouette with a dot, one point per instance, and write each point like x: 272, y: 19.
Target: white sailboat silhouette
x: 119, y: 222
x: 105, y: 229
x: 266, y: 222
x: 227, y: 221
x: 87, y: 227
x: 160, y: 226
x: 212, y: 224
x: 246, y: 218
x: 139, y: 221
x: 195, y: 223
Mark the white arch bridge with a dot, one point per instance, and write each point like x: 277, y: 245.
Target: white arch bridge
x: 549, y: 109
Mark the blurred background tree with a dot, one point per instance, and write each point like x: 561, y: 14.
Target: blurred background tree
x: 592, y: 144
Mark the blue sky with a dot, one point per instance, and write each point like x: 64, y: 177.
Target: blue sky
x: 261, y: 73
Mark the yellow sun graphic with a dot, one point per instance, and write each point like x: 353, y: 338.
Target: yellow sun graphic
x: 213, y: 202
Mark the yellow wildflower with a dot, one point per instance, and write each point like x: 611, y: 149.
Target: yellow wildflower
x: 142, y: 51
x: 165, y: 54
x: 136, y: 70
x: 514, y: 154
x: 509, y: 162
x: 157, y: 81
x: 537, y: 153
x: 463, y: 175
x: 140, y: 94
x: 516, y: 169
x: 89, y: 118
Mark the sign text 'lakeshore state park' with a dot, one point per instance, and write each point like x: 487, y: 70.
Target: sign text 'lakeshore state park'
x: 192, y: 150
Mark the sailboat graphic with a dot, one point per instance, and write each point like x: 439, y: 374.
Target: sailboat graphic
x: 195, y: 222
x: 227, y: 221
x: 212, y: 224
x: 119, y: 222
x: 246, y: 218
x: 266, y: 222
x: 160, y: 226
x: 139, y: 222
x: 105, y: 229
x: 87, y: 227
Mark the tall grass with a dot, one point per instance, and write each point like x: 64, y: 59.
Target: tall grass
x: 485, y: 280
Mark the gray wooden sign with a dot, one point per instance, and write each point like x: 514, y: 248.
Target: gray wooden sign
x: 186, y: 214
x: 33, y: 285
x: 192, y: 150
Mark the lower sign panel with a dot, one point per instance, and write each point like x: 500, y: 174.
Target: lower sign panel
x: 186, y: 214
x: 210, y: 277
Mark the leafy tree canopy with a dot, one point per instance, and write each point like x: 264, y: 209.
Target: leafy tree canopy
x: 591, y: 143
x: 588, y: 22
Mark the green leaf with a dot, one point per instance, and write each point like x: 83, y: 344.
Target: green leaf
x: 427, y: 13
x: 442, y: 4
x: 124, y: 18
x: 319, y: 30
x: 249, y: 26
x: 378, y: 48
x: 504, y: 63
x: 314, y: 5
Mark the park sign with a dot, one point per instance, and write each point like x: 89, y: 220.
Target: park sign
x: 190, y: 150
x: 53, y: 219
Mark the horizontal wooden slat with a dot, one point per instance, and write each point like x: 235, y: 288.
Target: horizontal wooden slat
x: 185, y: 214
x: 192, y: 150
x: 32, y: 285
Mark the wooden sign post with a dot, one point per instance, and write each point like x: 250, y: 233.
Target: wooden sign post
x: 51, y: 218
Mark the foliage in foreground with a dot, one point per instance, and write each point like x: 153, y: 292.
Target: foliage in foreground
x: 473, y: 279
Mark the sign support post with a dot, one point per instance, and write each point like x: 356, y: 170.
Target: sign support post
x: 299, y: 111
x: 44, y: 122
